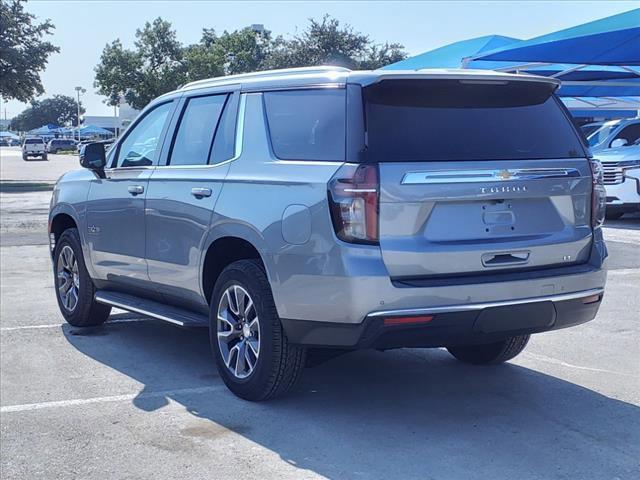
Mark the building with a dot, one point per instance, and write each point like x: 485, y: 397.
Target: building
x: 126, y: 114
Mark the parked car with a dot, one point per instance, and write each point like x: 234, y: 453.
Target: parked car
x: 6, y: 141
x: 324, y: 210
x: 34, y: 147
x: 621, y: 170
x: 615, y: 133
x: 589, y: 128
x: 57, y: 144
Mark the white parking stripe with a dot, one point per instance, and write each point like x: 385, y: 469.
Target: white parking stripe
x: 555, y: 361
x: 114, y: 398
x: 58, y: 325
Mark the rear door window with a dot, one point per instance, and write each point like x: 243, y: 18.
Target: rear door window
x: 449, y: 120
x: 193, y: 141
x: 307, y: 124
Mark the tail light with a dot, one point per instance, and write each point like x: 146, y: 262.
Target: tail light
x: 599, y: 194
x: 353, y: 201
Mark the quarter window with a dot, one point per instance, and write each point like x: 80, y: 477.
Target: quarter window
x: 307, y: 124
x: 141, y: 146
x: 193, y: 141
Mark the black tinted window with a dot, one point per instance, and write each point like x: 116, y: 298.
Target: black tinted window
x: 31, y: 141
x: 224, y: 142
x: 307, y: 124
x: 194, y: 138
x: 437, y: 120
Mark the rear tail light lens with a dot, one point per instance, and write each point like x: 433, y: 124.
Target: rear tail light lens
x: 599, y: 195
x: 353, y: 201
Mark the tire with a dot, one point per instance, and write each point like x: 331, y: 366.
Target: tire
x: 613, y: 215
x: 492, y: 353
x: 86, y: 312
x: 25, y: 158
x: 45, y: 157
x: 278, y: 365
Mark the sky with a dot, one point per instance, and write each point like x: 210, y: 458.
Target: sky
x: 84, y: 27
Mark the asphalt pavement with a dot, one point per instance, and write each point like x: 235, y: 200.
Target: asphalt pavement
x: 140, y: 399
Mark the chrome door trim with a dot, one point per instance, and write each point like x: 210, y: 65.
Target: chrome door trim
x: 479, y: 176
x: 480, y: 306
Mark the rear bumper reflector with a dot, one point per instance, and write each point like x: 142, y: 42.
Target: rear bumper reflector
x: 591, y: 299
x: 407, y: 320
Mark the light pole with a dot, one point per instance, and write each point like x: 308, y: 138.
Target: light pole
x: 79, y: 90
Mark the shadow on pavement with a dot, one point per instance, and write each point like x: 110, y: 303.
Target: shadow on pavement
x: 400, y: 414
x: 630, y: 221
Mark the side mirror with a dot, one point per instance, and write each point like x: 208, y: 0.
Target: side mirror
x: 92, y: 156
x: 619, y: 142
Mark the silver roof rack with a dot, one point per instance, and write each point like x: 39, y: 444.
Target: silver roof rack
x: 266, y: 73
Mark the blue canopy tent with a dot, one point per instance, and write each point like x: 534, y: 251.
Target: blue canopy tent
x: 450, y: 56
x: 94, y: 131
x: 10, y: 135
x: 613, y: 40
x: 461, y: 54
x: 48, y: 130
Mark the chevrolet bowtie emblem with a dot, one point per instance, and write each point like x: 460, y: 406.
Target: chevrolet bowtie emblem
x: 504, y: 175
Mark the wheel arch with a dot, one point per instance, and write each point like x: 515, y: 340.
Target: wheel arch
x: 220, y: 253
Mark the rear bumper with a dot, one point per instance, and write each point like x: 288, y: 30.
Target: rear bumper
x: 451, y: 325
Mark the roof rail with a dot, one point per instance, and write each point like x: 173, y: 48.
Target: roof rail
x: 266, y: 73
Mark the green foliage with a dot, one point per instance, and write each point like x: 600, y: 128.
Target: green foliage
x: 159, y: 63
x: 59, y: 110
x: 155, y: 67
x: 23, y: 52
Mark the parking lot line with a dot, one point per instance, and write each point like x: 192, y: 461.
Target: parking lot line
x: 113, y: 398
x: 58, y: 325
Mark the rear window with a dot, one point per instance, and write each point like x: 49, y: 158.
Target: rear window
x: 436, y: 120
x: 31, y: 141
x: 307, y: 124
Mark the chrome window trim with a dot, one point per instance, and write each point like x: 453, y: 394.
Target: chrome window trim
x: 311, y: 86
x: 237, y: 147
x: 480, y: 306
x: 480, y: 176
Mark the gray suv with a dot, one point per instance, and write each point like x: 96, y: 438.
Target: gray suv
x: 303, y: 213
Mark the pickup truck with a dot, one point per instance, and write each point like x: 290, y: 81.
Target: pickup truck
x: 34, y: 147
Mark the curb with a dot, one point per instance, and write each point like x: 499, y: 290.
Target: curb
x: 20, y: 187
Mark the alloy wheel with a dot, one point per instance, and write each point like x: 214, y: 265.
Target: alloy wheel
x: 238, y: 330
x: 68, y: 278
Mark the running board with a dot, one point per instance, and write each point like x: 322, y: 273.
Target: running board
x: 150, y: 308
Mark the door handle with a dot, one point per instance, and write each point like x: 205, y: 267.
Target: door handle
x: 136, y: 189
x: 200, y: 192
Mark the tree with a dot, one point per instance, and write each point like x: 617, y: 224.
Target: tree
x: 58, y: 110
x: 159, y: 63
x: 234, y: 52
x: 23, y: 52
x: 118, y: 71
x: 326, y: 42
x: 156, y: 66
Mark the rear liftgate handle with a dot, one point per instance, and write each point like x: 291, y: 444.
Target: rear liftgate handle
x: 505, y: 258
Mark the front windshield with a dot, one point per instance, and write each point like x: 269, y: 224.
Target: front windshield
x: 589, y: 129
x: 601, y: 134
